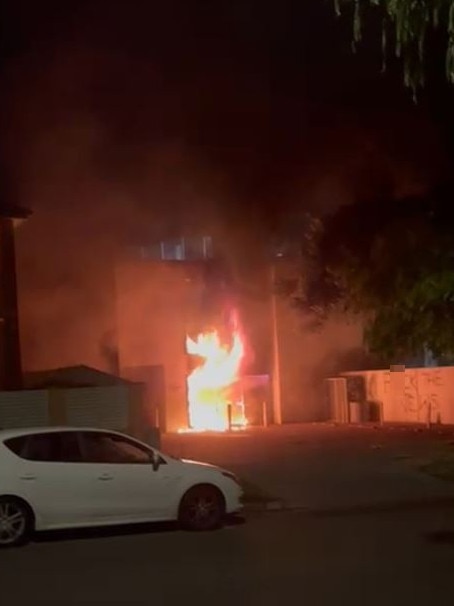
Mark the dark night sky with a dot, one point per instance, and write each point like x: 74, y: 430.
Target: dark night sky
x: 120, y: 119
x: 258, y: 98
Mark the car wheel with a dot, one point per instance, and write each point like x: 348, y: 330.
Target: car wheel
x: 16, y: 522
x: 202, y: 508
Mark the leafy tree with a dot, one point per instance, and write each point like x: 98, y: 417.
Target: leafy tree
x: 392, y: 263
x: 407, y: 26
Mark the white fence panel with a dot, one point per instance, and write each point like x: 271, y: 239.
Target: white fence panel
x: 105, y: 407
x: 24, y: 409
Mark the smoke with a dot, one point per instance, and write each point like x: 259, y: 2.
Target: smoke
x: 121, y: 126
x: 95, y: 192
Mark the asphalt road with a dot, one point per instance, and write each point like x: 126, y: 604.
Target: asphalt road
x: 320, y: 466
x: 374, y: 558
x: 367, y: 529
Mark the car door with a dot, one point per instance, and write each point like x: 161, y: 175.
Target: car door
x: 128, y: 488
x: 52, y: 478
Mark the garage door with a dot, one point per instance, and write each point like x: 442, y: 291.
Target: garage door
x: 23, y: 409
x: 105, y: 407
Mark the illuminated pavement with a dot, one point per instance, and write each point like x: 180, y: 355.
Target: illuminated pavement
x: 373, y: 531
x: 326, y: 467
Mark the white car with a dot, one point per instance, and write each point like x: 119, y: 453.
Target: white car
x: 53, y: 478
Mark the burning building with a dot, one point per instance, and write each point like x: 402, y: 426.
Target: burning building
x: 202, y: 348
x: 178, y: 332
x: 214, y: 388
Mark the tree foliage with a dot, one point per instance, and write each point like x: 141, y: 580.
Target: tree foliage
x: 406, y: 25
x: 391, y: 262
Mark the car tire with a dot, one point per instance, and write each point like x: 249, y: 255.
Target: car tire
x: 202, y: 508
x: 16, y: 522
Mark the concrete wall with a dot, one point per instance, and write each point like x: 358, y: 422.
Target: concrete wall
x: 66, y: 286
x: 416, y: 395
x: 156, y: 306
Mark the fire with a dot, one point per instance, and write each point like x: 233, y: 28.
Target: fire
x: 214, y: 392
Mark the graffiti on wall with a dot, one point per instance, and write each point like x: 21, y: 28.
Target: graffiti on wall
x: 415, y: 395
x: 431, y: 389
x: 411, y: 398
x: 412, y: 395
x: 420, y: 400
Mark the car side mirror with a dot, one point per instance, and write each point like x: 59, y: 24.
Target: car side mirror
x: 156, y: 461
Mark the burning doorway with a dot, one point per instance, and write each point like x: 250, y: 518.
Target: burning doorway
x: 214, y: 388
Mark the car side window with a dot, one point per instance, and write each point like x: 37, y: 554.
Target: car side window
x: 56, y: 447
x: 110, y: 448
x: 16, y: 445
x: 42, y: 447
x: 70, y: 447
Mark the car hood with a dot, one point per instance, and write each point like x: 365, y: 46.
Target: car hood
x: 207, y: 466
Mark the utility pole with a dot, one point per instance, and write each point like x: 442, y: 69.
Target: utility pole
x: 10, y: 351
x: 276, y: 368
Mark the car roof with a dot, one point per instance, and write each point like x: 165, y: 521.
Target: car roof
x: 5, y: 434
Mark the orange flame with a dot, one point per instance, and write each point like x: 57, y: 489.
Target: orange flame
x: 212, y: 384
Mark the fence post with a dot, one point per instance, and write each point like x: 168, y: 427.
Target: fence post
x: 229, y: 416
x: 264, y: 414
